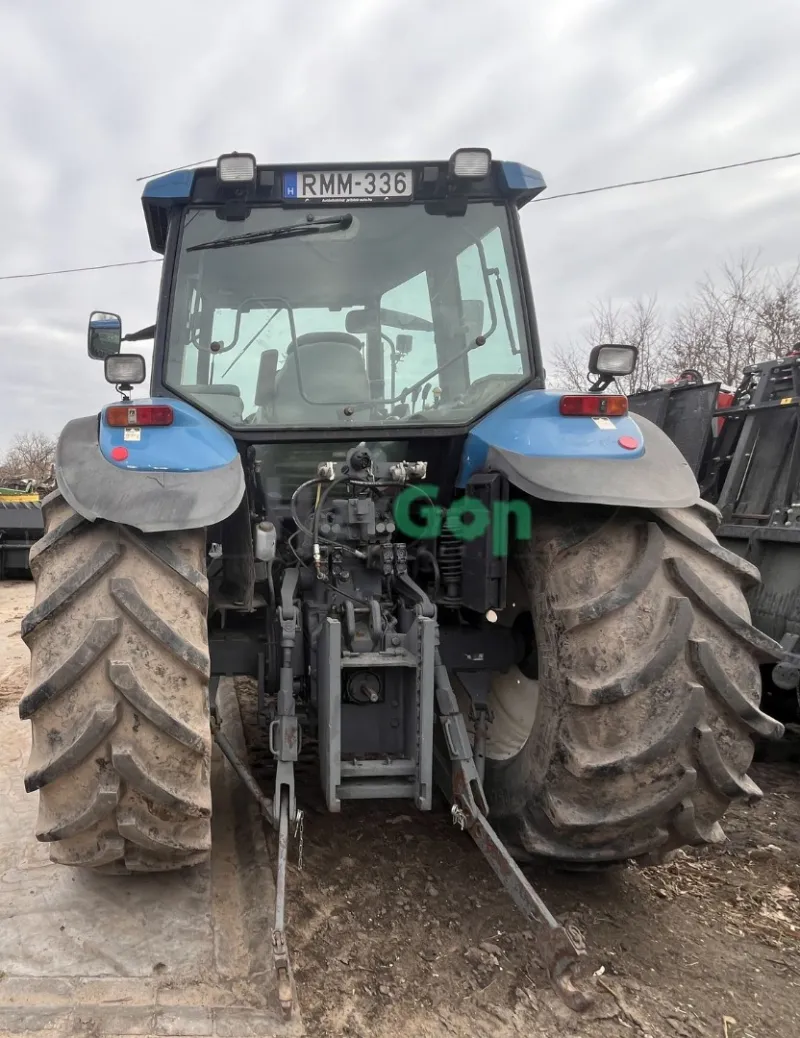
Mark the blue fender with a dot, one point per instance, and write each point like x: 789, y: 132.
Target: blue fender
x: 183, y: 476
x: 605, y: 461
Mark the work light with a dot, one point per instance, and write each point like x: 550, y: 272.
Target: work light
x: 236, y: 168
x: 613, y: 360
x: 125, y: 369
x: 470, y: 163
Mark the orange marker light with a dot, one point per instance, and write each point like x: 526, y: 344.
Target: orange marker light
x: 122, y: 415
x: 593, y: 405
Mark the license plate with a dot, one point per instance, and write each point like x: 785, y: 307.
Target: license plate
x: 352, y: 185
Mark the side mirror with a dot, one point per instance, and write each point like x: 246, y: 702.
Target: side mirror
x: 265, y: 386
x: 613, y: 361
x: 105, y: 335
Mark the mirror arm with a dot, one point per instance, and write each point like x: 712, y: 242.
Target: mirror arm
x: 141, y: 335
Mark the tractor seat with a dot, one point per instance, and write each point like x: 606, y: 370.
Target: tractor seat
x: 331, y: 372
x: 312, y: 338
x: 223, y: 400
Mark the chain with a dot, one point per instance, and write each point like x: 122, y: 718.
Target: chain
x: 299, y: 829
x: 459, y: 817
x: 576, y: 937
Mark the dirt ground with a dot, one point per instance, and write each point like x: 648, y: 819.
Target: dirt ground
x: 398, y: 928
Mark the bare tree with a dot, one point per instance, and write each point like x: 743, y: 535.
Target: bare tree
x: 779, y: 313
x: 569, y: 367
x: 644, y: 328
x: 744, y: 316
x: 739, y: 315
x: 717, y: 331
x: 637, y: 323
x: 30, y: 456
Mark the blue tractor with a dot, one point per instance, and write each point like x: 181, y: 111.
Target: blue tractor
x: 350, y: 484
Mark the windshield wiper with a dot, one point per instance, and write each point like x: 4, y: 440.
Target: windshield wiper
x: 292, y: 230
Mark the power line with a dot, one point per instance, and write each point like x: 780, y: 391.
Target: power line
x: 672, y: 176
x: 76, y: 270
x: 542, y: 198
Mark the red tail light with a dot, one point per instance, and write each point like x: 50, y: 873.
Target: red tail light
x: 594, y: 405
x: 145, y: 414
x: 725, y: 399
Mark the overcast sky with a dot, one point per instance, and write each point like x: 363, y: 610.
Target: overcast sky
x: 95, y: 94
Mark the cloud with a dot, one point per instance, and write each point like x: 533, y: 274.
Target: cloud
x: 96, y: 95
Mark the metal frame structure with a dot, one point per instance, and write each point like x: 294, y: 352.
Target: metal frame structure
x: 20, y: 527
x: 750, y: 470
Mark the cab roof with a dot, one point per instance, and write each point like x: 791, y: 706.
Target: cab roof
x: 432, y: 184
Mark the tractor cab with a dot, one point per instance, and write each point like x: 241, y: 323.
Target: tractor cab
x: 298, y: 299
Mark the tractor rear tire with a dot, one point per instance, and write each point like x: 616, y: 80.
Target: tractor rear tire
x: 118, y: 695
x: 648, y: 688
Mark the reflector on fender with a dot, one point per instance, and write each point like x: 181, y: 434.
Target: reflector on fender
x: 593, y: 405
x: 122, y: 415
